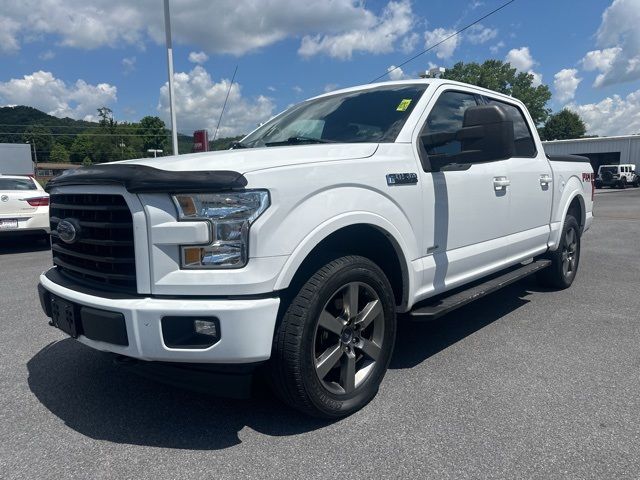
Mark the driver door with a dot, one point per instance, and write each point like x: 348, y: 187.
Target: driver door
x: 466, y: 205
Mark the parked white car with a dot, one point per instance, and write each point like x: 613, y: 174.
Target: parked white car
x: 620, y: 176
x: 24, y: 206
x: 297, y: 249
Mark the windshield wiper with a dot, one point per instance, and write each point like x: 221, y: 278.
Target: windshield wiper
x: 236, y: 145
x: 298, y: 140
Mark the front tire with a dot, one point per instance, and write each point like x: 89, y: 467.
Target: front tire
x: 565, y: 259
x: 334, y: 342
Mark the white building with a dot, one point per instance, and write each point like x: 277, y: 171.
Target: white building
x: 600, y: 150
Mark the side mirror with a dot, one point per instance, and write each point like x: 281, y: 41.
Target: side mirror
x: 486, y: 135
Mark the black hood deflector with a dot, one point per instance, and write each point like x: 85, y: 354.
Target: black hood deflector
x: 143, y: 179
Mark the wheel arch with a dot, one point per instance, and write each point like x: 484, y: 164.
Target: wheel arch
x: 371, y: 237
x: 572, y: 201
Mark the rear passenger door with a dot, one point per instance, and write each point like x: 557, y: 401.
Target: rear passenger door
x: 530, y: 188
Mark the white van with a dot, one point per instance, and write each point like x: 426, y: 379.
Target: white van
x: 619, y: 176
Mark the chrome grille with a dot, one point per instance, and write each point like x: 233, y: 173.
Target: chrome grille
x: 103, y: 253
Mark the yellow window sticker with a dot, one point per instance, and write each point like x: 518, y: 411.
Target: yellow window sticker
x: 403, y: 105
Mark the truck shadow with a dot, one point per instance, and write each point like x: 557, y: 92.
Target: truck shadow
x: 100, y: 400
x: 23, y: 244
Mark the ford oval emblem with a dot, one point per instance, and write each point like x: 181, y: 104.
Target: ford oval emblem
x: 4, y: 198
x: 67, y: 231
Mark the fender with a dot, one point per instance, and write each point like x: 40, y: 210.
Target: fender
x: 325, y: 229
x: 572, y: 189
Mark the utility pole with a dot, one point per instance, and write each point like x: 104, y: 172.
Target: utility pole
x: 167, y: 30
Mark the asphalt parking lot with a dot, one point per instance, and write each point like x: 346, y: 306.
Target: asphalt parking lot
x: 525, y: 383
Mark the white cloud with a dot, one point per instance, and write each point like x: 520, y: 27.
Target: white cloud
x: 330, y: 87
x: 198, y: 57
x: 446, y: 49
x: 600, y: 59
x: 8, y: 35
x: 199, y: 101
x: 537, y: 78
x: 246, y: 25
x: 566, y: 82
x: 395, y: 73
x: 47, y: 55
x: 409, y: 42
x: 297, y: 89
x: 374, y: 35
x: 52, y: 95
x: 478, y: 34
x: 497, y: 47
x: 522, y: 61
x: 611, y: 116
x: 618, y: 37
x: 128, y: 65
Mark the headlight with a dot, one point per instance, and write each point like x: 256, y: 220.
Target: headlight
x: 231, y: 215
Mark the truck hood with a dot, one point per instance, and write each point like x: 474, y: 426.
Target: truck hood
x: 247, y: 160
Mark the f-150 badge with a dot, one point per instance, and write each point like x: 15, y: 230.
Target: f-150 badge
x: 402, y: 179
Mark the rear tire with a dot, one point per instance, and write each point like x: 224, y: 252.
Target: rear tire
x: 565, y: 259
x: 332, y: 346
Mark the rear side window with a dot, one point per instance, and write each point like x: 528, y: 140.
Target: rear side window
x: 444, y: 120
x: 524, y: 144
x: 17, y: 184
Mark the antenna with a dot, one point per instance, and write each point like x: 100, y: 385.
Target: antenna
x: 215, y: 134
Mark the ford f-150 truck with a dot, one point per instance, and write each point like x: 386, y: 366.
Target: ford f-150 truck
x: 295, y: 252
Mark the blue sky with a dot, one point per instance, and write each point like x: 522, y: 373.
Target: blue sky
x: 69, y: 58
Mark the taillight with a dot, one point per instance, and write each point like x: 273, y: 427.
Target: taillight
x: 38, y: 201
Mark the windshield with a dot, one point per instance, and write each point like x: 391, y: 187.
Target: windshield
x: 375, y: 115
x: 609, y: 169
x: 17, y: 184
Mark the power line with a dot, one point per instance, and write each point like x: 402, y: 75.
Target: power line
x: 114, y: 135
x: 120, y: 127
x: 442, y: 41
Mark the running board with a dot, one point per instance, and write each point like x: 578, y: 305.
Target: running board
x: 451, y: 302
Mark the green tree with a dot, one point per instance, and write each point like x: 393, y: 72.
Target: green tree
x: 86, y: 162
x: 40, y: 137
x: 154, y: 134
x: 106, y: 119
x: 59, y: 154
x: 562, y: 126
x: 502, y: 77
x: 81, y: 148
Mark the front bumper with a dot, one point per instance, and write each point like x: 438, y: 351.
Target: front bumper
x: 246, y: 325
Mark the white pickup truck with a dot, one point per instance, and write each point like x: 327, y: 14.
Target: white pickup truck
x: 296, y: 250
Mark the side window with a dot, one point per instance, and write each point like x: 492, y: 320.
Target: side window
x: 444, y: 120
x: 524, y: 144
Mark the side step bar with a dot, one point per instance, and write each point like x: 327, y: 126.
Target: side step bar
x: 448, y: 303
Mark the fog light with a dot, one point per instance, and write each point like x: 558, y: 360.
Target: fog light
x: 190, y: 332
x: 206, y: 327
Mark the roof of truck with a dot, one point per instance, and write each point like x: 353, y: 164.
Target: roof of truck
x: 416, y: 81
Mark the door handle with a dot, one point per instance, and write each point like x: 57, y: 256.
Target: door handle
x: 500, y: 183
x: 545, y: 179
